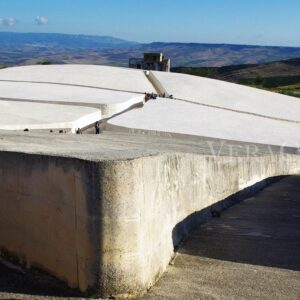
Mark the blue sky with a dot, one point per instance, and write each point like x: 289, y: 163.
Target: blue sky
x: 264, y: 22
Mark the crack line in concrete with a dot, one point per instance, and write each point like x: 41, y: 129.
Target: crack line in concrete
x: 215, y: 106
x: 238, y: 111
x: 157, y: 89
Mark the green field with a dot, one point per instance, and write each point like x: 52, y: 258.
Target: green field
x: 290, y: 90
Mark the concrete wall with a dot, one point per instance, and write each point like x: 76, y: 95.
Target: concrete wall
x: 140, y: 234
x: 46, y: 215
x: 111, y: 226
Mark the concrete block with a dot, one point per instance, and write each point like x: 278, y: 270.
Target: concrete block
x: 15, y: 115
x: 226, y: 95
x: 109, y: 102
x: 106, y: 77
x: 109, y: 227
x: 163, y: 116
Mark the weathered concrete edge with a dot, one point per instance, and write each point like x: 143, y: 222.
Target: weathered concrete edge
x: 170, y: 194
x: 132, y: 242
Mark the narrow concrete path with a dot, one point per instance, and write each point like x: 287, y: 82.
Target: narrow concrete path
x: 251, y: 252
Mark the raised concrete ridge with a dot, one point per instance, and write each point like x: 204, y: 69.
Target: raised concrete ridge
x: 67, y: 208
x: 109, y: 102
x: 36, y: 116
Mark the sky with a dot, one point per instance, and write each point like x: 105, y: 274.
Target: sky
x: 254, y: 22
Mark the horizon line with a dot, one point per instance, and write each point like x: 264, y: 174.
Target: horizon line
x: 152, y: 42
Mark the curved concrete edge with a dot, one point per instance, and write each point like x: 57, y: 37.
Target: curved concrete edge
x: 85, y: 121
x: 110, y: 228
x: 108, y: 110
x: 166, y: 191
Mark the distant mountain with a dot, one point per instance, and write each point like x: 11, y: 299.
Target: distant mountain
x: 217, y: 55
x: 32, y: 48
x: 67, y: 41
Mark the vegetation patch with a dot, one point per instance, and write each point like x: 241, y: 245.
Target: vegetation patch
x: 262, y: 76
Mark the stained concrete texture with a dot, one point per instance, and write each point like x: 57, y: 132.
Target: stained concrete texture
x: 131, y: 223
x: 16, y: 284
x: 125, y: 146
x: 252, y: 251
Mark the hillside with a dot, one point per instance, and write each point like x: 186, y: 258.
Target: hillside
x: 217, y: 55
x: 280, y: 76
x: 32, y: 48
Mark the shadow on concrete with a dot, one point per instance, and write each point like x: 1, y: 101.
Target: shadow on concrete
x: 263, y: 230
x: 259, y: 232
x: 14, y: 284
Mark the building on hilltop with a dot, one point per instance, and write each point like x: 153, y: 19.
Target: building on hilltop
x: 151, y: 61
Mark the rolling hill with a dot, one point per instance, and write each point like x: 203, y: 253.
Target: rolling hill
x: 280, y: 76
x: 32, y: 48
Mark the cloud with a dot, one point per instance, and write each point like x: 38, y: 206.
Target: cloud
x: 41, y: 20
x: 8, y: 21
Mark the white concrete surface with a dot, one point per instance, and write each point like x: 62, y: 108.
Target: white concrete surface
x: 26, y: 115
x: 122, y: 79
x: 230, y: 96
x: 164, y: 115
x: 109, y: 102
x: 219, y: 109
